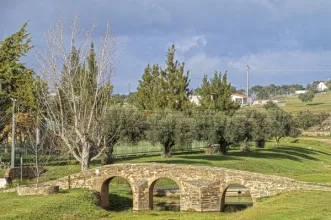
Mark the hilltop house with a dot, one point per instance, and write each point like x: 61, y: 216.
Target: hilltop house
x: 236, y: 97
x: 321, y: 87
x: 241, y: 99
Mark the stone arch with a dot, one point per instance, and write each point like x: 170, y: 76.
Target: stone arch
x: 151, y: 188
x: 104, y: 192
x: 225, y: 188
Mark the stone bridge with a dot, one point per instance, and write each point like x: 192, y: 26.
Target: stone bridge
x: 201, y: 188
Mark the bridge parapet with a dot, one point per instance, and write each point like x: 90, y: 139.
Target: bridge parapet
x: 201, y: 188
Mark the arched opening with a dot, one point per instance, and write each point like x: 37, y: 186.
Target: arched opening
x: 236, y: 198
x: 164, y: 195
x: 116, y: 194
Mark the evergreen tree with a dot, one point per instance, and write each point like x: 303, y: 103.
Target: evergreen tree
x: 168, y: 88
x: 216, y: 94
x: 148, y: 85
x: 16, y: 80
x: 177, y: 82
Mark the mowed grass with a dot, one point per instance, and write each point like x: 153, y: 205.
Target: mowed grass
x: 321, y: 103
x: 304, y: 160
x: 80, y: 204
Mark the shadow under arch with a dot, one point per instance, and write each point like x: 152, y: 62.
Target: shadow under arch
x: 104, y: 192
x: 151, y: 189
x: 239, y: 191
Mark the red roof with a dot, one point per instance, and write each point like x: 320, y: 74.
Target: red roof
x: 240, y: 95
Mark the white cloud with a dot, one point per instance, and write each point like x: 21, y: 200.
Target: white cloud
x: 266, y: 63
x: 190, y: 42
x: 284, y: 62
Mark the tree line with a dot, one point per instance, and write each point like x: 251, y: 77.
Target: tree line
x: 70, y: 102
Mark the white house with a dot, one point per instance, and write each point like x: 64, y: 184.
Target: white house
x: 236, y: 97
x: 321, y: 87
x: 298, y: 92
x: 241, y: 99
x: 195, y: 99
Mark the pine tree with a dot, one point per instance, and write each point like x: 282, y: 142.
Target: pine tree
x: 216, y: 94
x: 146, y: 89
x: 168, y: 88
x: 177, y: 82
x: 16, y: 80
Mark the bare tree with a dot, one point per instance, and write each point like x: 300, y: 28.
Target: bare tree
x: 77, y: 99
x: 42, y: 151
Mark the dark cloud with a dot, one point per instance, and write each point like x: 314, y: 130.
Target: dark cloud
x: 232, y: 28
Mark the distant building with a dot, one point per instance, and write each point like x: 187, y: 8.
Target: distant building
x: 241, y: 99
x: 195, y: 99
x: 298, y: 92
x: 321, y: 87
x: 236, y: 97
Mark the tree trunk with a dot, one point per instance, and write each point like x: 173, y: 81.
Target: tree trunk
x: 223, y: 149
x: 167, y: 151
x: 6, y: 146
x: 277, y: 141
x: 107, y: 157
x: 85, y: 160
x: 260, y: 143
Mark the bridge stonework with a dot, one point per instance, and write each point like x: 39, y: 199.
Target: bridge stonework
x: 201, y: 188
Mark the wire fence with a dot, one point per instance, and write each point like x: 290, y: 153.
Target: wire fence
x: 145, y: 147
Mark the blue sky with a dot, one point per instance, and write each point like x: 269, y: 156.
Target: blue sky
x: 284, y: 41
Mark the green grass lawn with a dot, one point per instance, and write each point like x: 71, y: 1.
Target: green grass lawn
x: 321, y: 103
x: 305, y: 160
x: 79, y: 204
x: 302, y: 160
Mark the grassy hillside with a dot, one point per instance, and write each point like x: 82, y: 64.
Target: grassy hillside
x: 79, y: 204
x: 321, y: 103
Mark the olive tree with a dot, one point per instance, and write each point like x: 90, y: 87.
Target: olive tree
x: 211, y: 127
x: 282, y: 124
x: 239, y: 129
x: 170, y: 129
x: 307, y: 97
x: 130, y: 126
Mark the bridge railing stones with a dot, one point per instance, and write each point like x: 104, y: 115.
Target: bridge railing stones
x: 201, y: 188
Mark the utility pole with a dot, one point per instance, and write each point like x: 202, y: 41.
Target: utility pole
x: 247, y: 89
x: 129, y: 88
x: 12, y: 165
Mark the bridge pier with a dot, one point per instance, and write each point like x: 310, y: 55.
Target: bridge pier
x: 201, y: 188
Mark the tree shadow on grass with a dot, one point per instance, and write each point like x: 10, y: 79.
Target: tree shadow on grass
x: 317, y: 103
x: 183, y: 161
x: 284, y: 152
x: 265, y: 154
x: 209, y: 157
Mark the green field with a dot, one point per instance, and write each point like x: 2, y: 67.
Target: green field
x: 321, y: 103
x: 79, y: 204
x: 305, y: 160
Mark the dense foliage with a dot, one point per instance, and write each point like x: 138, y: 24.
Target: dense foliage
x: 216, y: 94
x: 307, y: 97
x: 164, y: 88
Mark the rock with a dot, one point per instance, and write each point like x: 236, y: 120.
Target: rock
x: 42, y: 190
x: 3, y: 183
